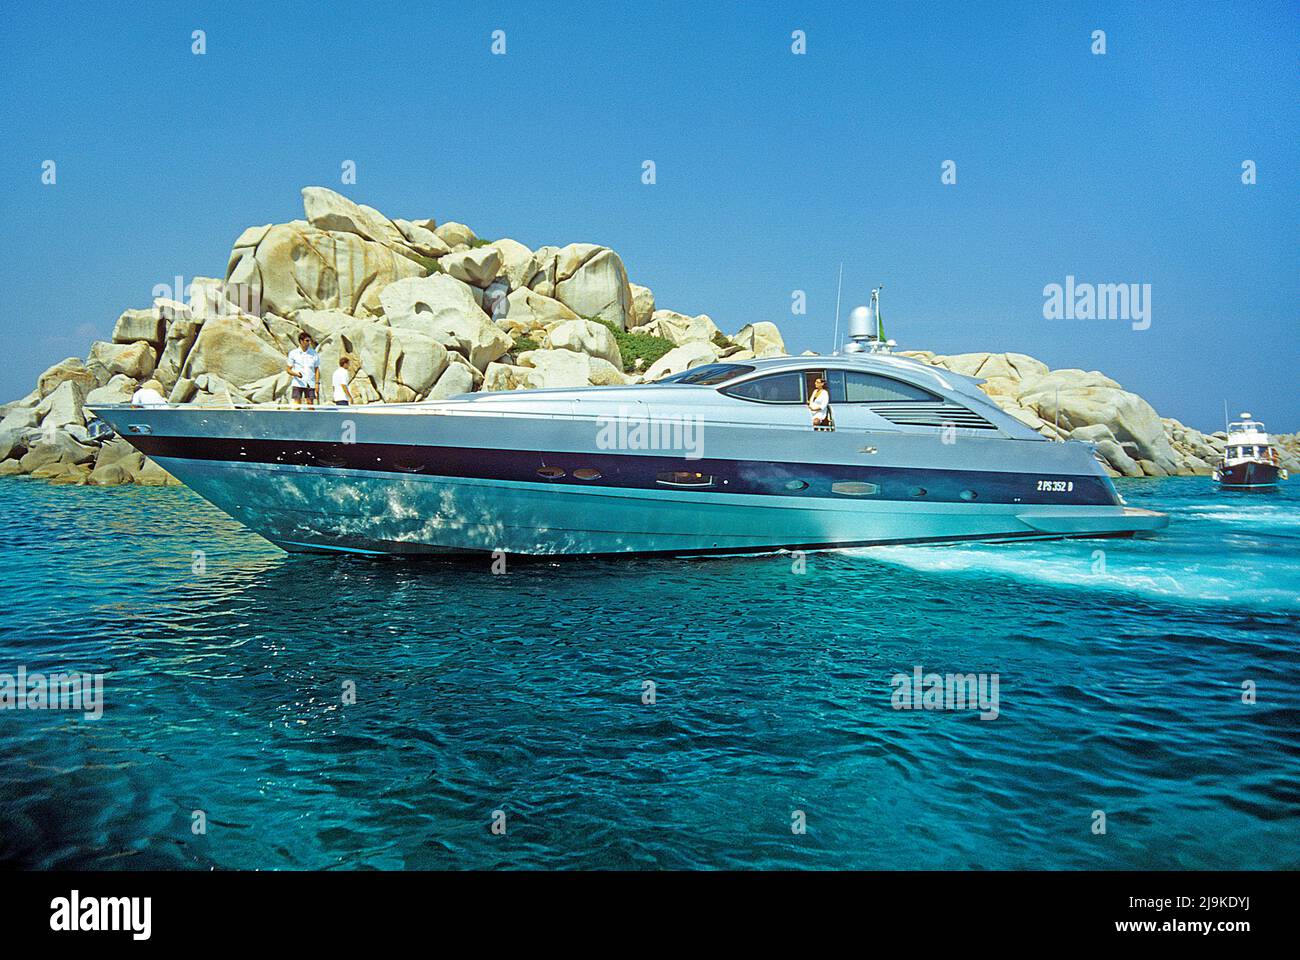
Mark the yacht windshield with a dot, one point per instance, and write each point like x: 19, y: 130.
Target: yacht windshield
x: 710, y: 374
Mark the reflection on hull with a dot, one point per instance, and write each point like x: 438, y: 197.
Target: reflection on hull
x: 304, y: 508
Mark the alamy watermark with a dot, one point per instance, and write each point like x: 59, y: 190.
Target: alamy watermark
x: 53, y: 691
x: 206, y: 298
x: 630, y: 429
x: 1098, y: 301
x: 946, y: 691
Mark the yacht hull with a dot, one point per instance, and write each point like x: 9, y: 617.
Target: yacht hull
x: 663, y: 469
x: 1247, y: 475
x: 312, y: 509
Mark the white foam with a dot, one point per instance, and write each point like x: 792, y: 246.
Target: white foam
x: 1136, y: 570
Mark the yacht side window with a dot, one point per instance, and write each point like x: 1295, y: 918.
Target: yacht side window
x: 850, y: 386
x: 777, y: 388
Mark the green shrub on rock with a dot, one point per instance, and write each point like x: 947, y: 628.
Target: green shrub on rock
x: 636, y: 346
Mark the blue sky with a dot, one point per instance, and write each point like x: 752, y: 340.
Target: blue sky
x: 771, y: 168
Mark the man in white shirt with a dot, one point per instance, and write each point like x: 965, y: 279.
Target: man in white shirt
x: 342, y: 376
x: 304, y: 367
x: 149, y: 395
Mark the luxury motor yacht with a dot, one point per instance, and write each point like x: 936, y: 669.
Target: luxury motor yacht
x: 1249, y: 459
x: 719, y: 459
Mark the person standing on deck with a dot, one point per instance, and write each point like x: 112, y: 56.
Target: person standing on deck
x: 819, y: 402
x: 304, y: 367
x: 342, y: 395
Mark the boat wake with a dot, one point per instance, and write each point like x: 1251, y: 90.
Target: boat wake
x: 1126, y: 569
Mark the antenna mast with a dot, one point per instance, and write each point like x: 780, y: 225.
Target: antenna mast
x: 835, y: 337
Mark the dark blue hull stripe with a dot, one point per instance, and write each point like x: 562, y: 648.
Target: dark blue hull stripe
x: 637, y: 471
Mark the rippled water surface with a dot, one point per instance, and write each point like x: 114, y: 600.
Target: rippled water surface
x: 1120, y: 668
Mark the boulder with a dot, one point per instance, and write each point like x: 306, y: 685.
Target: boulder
x: 171, y: 310
x: 402, y: 362
x: 422, y: 239
x: 967, y: 364
x: 330, y: 211
x: 505, y: 376
x: 1118, y: 458
x: 284, y: 332
x: 297, y: 266
x: 211, y: 383
x: 683, y: 358
x: 56, y: 447
x: 114, y: 450
x: 13, y: 441
x: 517, y: 262
x: 681, y: 329
x: 592, y: 282
x: 477, y: 267
x: 526, y: 310
x: 458, y: 378
x: 183, y: 391
x: 363, y: 390
x: 62, y: 472
x: 442, y: 307
x: 73, y: 368
x: 11, y: 468
x: 584, y: 336
x: 602, y: 373
x: 272, y: 389
x: 475, y: 374
x: 763, y: 339
x: 323, y: 324
x: 556, y: 368
x: 117, y: 390
x: 1076, y: 399
x: 455, y: 234
x: 26, y: 403
x: 210, y: 297
x: 116, y: 472
x: 643, y: 304
x: 181, y: 334
x: 20, y: 418
x: 152, y: 475
x: 237, y: 349
x: 543, y: 279
x: 1030, y: 419
x: 135, y: 360
x: 415, y: 361
x: 64, y: 406
x: 146, y: 325
x: 252, y: 236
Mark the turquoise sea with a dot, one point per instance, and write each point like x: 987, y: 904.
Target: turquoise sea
x: 1120, y: 664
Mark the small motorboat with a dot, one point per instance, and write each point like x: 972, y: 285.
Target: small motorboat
x: 1249, y: 461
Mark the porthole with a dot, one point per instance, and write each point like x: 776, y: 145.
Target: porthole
x: 969, y: 494
x: 855, y: 488
x: 587, y: 473
x: 919, y: 491
x: 550, y: 473
x: 684, y: 478
x: 796, y: 485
